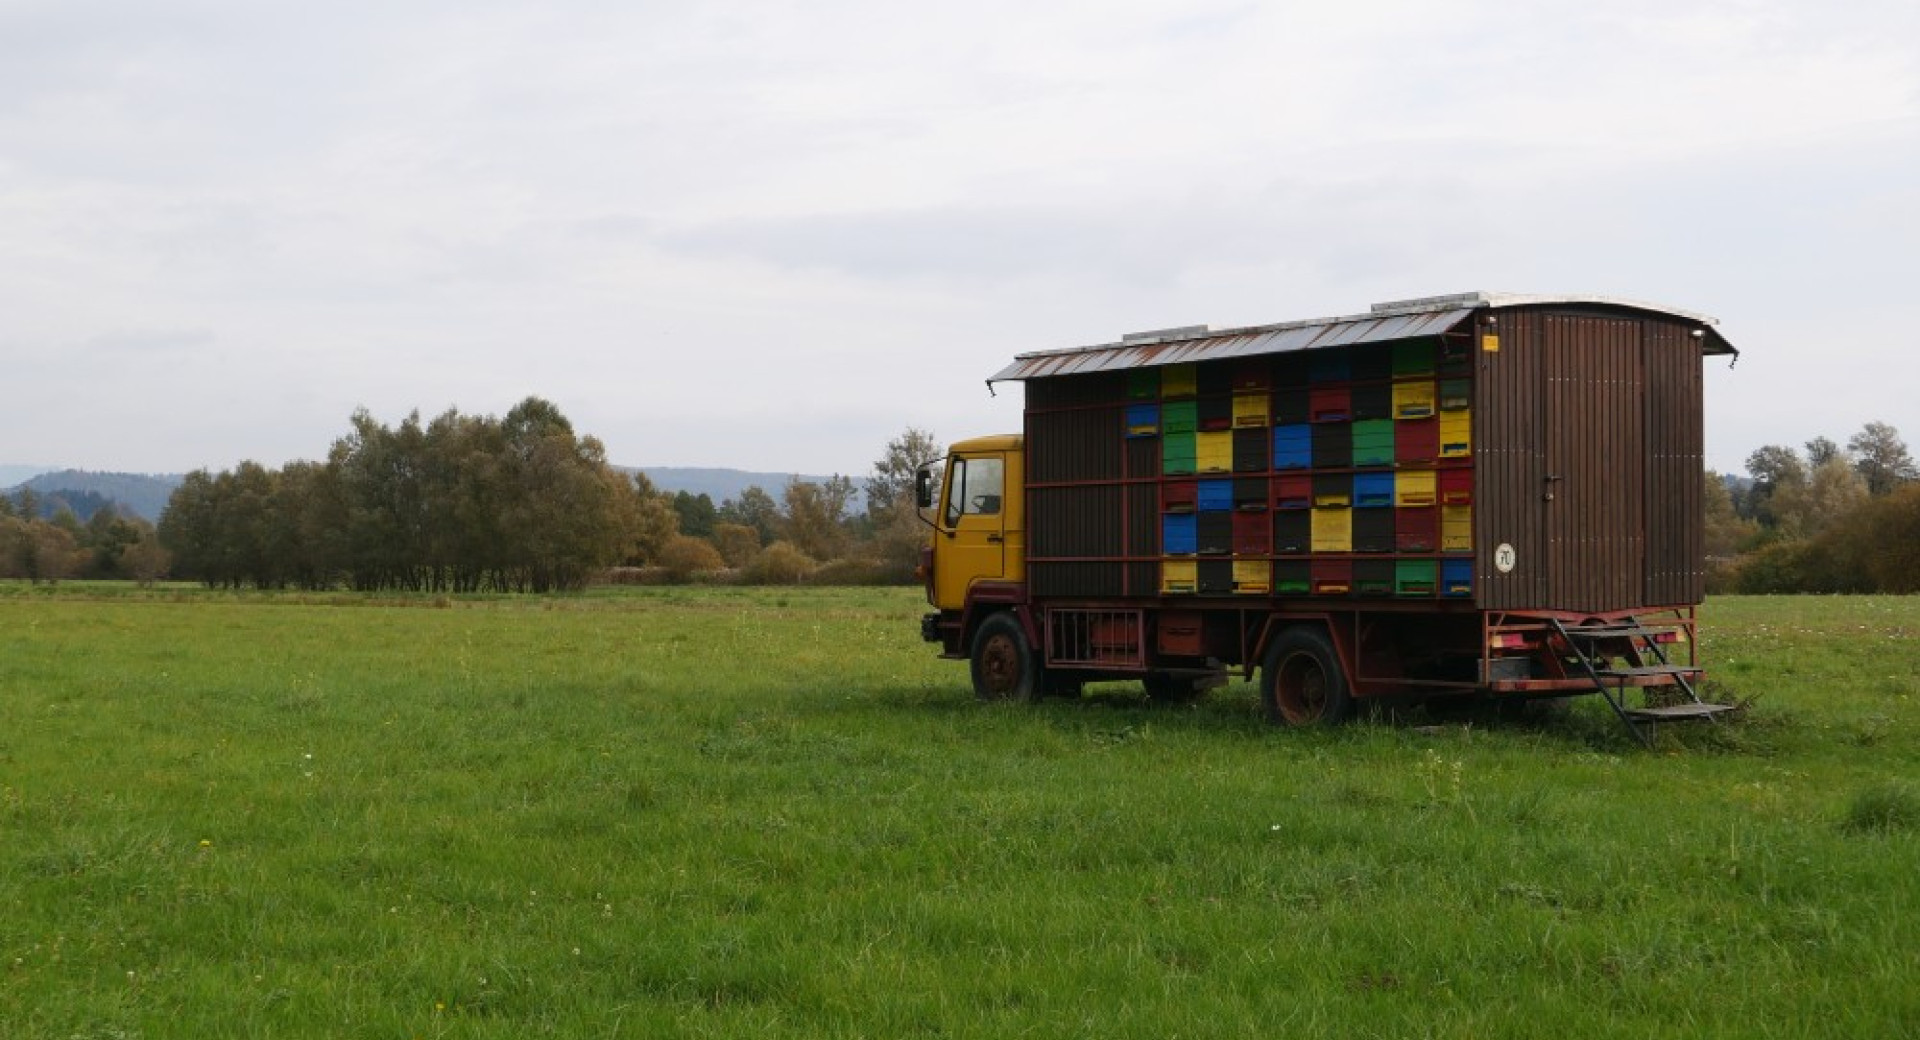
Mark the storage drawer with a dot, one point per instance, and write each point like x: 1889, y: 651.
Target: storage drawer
x: 1181, y: 633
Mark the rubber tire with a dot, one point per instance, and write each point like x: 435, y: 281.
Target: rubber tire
x: 1163, y: 688
x: 1002, y: 661
x: 1301, y: 681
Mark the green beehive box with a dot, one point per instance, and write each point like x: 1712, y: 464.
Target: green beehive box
x: 1373, y: 442
x: 1143, y: 384
x: 1415, y: 577
x: 1177, y: 453
x: 1179, y: 417
x: 1413, y: 358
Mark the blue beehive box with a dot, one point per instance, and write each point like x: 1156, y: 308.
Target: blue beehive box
x: 1217, y: 495
x: 1179, y: 534
x: 1143, y: 420
x: 1292, y: 446
x: 1372, y: 490
x: 1456, y: 578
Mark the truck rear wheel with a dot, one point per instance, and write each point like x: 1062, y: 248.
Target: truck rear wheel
x: 1302, y: 682
x: 1002, y: 659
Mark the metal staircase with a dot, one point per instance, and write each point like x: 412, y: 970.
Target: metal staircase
x: 1623, y: 654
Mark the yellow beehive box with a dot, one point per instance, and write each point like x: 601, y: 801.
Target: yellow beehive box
x: 1414, y: 487
x: 1213, y: 451
x: 1178, y: 381
x: 1413, y: 400
x: 1252, y: 576
x: 1332, y: 530
x: 1456, y: 434
x: 1456, y: 528
x: 1177, y: 576
x: 1250, y: 409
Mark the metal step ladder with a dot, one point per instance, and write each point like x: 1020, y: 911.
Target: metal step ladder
x: 1644, y: 664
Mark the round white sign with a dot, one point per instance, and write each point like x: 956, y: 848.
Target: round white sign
x: 1504, y: 558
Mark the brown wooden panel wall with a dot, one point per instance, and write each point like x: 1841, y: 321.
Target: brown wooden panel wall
x: 1676, y: 546
x: 1509, y: 427
x: 1075, y: 445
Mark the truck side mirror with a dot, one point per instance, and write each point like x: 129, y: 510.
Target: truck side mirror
x: 923, y: 487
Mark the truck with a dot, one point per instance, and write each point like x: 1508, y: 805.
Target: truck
x: 1447, y: 500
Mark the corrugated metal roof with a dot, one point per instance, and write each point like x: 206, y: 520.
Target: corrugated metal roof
x: 1400, y: 319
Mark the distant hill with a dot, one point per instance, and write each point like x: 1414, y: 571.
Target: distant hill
x: 14, y: 474
x: 722, y: 484
x: 143, y: 494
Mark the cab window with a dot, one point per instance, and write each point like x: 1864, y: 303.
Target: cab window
x: 975, y: 488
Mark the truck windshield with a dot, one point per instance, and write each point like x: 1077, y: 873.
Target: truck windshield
x: 976, y: 488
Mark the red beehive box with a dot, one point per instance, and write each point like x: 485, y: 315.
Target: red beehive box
x: 1416, y: 442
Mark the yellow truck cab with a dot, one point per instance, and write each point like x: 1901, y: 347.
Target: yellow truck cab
x: 979, y: 530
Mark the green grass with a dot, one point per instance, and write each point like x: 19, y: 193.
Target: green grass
x: 725, y: 812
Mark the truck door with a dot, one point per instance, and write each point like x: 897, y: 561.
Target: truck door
x: 972, y: 541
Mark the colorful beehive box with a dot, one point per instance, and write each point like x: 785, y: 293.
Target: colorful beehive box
x: 1292, y: 404
x: 1252, y: 534
x: 1332, y: 530
x: 1216, y: 534
x: 1252, y: 577
x: 1216, y: 378
x: 1292, y: 446
x: 1373, y: 530
x: 1179, y: 496
x: 1373, y: 490
x: 1143, y: 420
x: 1292, y: 577
x: 1456, y: 487
x: 1213, y: 451
x: 1177, y: 453
x: 1373, y: 577
x: 1178, y: 381
x: 1216, y: 494
x: 1456, y: 528
x: 1416, y: 529
x: 1216, y: 577
x: 1373, y: 442
x: 1179, y: 417
x: 1414, y: 357
x: 1143, y: 384
x: 1413, y: 487
x: 1413, y: 400
x: 1373, y: 401
x: 1250, y: 450
x: 1250, y: 493
x: 1292, y: 531
x: 1179, y: 576
x: 1456, y: 358
x: 1331, y: 577
x: 1455, y: 394
x: 1456, y: 578
x: 1456, y: 434
x: 1329, y: 366
x: 1332, y: 445
x: 1250, y: 374
x: 1372, y: 361
x: 1250, y: 409
x: 1292, y: 491
x: 1331, y: 404
x: 1332, y: 489
x: 1216, y: 413
x: 1416, y: 442
x: 1179, y: 534
x: 1415, y: 578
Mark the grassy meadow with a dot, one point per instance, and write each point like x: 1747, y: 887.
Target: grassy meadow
x: 750, y: 812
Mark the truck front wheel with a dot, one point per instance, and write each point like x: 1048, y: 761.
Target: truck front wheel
x: 1302, y: 682
x: 1003, y: 664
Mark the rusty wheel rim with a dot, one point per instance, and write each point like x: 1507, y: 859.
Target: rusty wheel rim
x: 999, y: 666
x: 1301, y: 689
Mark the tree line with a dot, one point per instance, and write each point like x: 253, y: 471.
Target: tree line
x: 466, y: 503
x: 1831, y: 518
x: 44, y: 539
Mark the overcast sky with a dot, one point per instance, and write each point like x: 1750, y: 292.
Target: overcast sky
x: 772, y: 235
